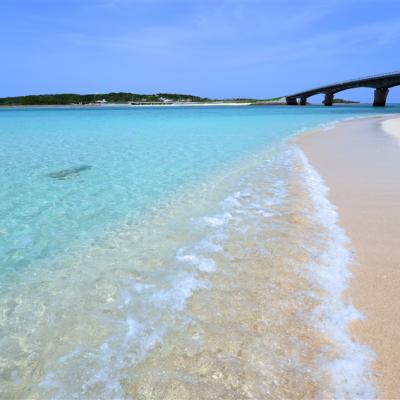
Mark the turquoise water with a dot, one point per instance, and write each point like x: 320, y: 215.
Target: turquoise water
x: 138, y: 157
x: 111, y: 171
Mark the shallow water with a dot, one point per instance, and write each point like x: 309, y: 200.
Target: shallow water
x: 195, y: 256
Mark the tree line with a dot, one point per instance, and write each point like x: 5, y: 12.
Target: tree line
x: 73, y: 98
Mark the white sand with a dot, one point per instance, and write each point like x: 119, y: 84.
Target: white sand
x: 361, y: 165
x: 392, y: 127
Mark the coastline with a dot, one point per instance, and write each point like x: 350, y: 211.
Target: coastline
x: 359, y: 161
x: 237, y: 293
x: 167, y: 105
x: 128, y: 105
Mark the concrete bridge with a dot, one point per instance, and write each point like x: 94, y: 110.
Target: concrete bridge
x: 381, y: 84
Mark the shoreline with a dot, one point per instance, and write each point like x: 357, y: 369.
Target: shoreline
x: 252, y: 254
x: 168, y: 105
x: 360, y: 163
x: 126, y: 105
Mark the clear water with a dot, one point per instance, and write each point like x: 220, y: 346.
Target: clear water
x: 138, y: 157
x: 93, y: 267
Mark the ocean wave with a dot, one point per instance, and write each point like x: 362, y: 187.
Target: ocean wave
x: 216, y: 285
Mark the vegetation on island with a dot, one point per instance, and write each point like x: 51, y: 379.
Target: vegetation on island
x: 120, y: 97
x: 344, y: 101
x: 115, y: 98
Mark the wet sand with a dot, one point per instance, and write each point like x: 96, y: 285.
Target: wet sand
x: 360, y: 162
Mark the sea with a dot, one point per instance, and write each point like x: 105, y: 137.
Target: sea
x: 173, y: 253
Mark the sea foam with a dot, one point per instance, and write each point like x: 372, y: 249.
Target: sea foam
x: 350, y: 372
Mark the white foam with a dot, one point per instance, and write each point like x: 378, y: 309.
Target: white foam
x: 202, y: 263
x: 105, y: 364
x: 175, y: 297
x: 217, y: 220
x: 265, y: 214
x: 231, y: 201
x: 209, y: 245
x: 147, y: 312
x: 350, y: 373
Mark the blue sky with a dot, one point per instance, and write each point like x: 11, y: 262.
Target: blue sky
x: 215, y: 48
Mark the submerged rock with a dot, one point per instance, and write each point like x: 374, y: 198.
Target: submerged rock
x: 64, y: 173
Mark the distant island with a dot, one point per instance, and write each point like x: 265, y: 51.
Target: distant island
x: 344, y: 101
x: 124, y: 98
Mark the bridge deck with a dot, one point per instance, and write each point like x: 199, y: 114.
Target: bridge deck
x: 384, y: 81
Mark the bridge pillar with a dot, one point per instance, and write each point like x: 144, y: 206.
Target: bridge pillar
x: 303, y: 101
x: 328, y: 99
x: 291, y: 101
x: 380, y: 96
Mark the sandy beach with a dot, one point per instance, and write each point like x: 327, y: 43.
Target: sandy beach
x: 360, y: 163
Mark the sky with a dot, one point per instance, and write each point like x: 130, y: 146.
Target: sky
x: 211, y: 48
